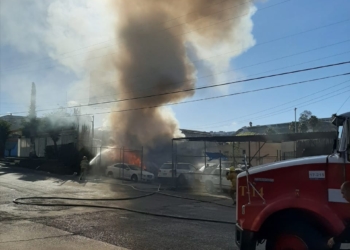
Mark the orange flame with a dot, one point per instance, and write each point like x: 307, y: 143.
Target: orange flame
x: 133, y: 159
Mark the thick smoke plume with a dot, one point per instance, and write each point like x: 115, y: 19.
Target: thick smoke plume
x: 154, y: 38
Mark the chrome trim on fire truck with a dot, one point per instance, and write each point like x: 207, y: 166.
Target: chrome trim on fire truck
x: 285, y: 164
x: 335, y: 195
x: 264, y: 201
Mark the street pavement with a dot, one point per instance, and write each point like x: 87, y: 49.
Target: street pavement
x: 60, y: 227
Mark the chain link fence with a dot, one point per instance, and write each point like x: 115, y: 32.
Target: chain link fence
x: 204, y: 165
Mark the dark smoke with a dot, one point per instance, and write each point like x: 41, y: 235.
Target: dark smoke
x: 153, y: 59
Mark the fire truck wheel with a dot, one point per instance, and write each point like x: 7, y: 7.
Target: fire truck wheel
x: 209, y: 187
x: 297, y: 236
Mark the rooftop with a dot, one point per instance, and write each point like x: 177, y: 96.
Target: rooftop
x: 325, y: 125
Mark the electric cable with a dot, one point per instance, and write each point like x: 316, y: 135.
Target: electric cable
x: 210, y: 86
x: 343, y: 104
x: 244, y: 67
x: 298, y: 64
x: 215, y: 97
x: 277, y: 106
x: 288, y: 110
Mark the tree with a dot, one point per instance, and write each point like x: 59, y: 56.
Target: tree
x: 54, y: 123
x: 30, y: 128
x: 313, y: 122
x: 4, y: 134
x: 303, y: 127
x: 304, y: 121
x: 270, y: 131
x: 305, y: 116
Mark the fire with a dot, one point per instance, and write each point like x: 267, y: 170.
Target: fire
x: 133, y: 159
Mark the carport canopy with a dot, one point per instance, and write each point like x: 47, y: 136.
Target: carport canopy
x: 274, y: 138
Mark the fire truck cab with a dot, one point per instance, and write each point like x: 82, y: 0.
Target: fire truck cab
x: 295, y: 204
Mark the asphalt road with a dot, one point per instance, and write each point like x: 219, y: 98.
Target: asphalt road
x: 36, y: 227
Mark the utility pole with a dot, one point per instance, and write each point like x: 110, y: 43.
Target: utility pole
x: 220, y: 172
x: 295, y: 119
x: 92, y: 133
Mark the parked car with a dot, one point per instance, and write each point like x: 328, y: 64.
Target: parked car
x: 185, y: 172
x: 211, y: 179
x: 129, y: 172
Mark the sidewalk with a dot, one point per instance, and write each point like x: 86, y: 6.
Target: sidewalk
x: 24, y: 234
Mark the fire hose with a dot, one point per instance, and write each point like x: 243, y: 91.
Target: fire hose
x: 19, y: 201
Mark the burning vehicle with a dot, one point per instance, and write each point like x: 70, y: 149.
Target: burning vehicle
x: 129, y: 172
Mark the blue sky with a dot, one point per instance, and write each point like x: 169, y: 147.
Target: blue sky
x: 325, y: 25
x: 280, y: 21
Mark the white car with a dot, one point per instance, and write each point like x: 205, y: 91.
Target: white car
x: 129, y: 172
x: 211, y: 179
x: 184, y: 172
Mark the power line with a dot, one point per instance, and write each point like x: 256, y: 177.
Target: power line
x: 298, y: 64
x: 279, y: 58
x: 279, y: 111
x: 221, y: 96
x: 336, y: 95
x: 266, y: 71
x: 343, y: 104
x: 274, y: 107
x: 290, y: 108
x: 214, y: 85
x: 222, y: 72
x: 252, y: 65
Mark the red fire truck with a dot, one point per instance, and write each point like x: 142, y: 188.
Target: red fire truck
x: 295, y: 204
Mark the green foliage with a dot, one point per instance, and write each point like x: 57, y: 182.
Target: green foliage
x: 305, y: 116
x: 54, y: 123
x: 30, y: 128
x: 306, y: 121
x: 4, y: 134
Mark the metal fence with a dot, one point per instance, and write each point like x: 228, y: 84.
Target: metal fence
x: 204, y: 165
